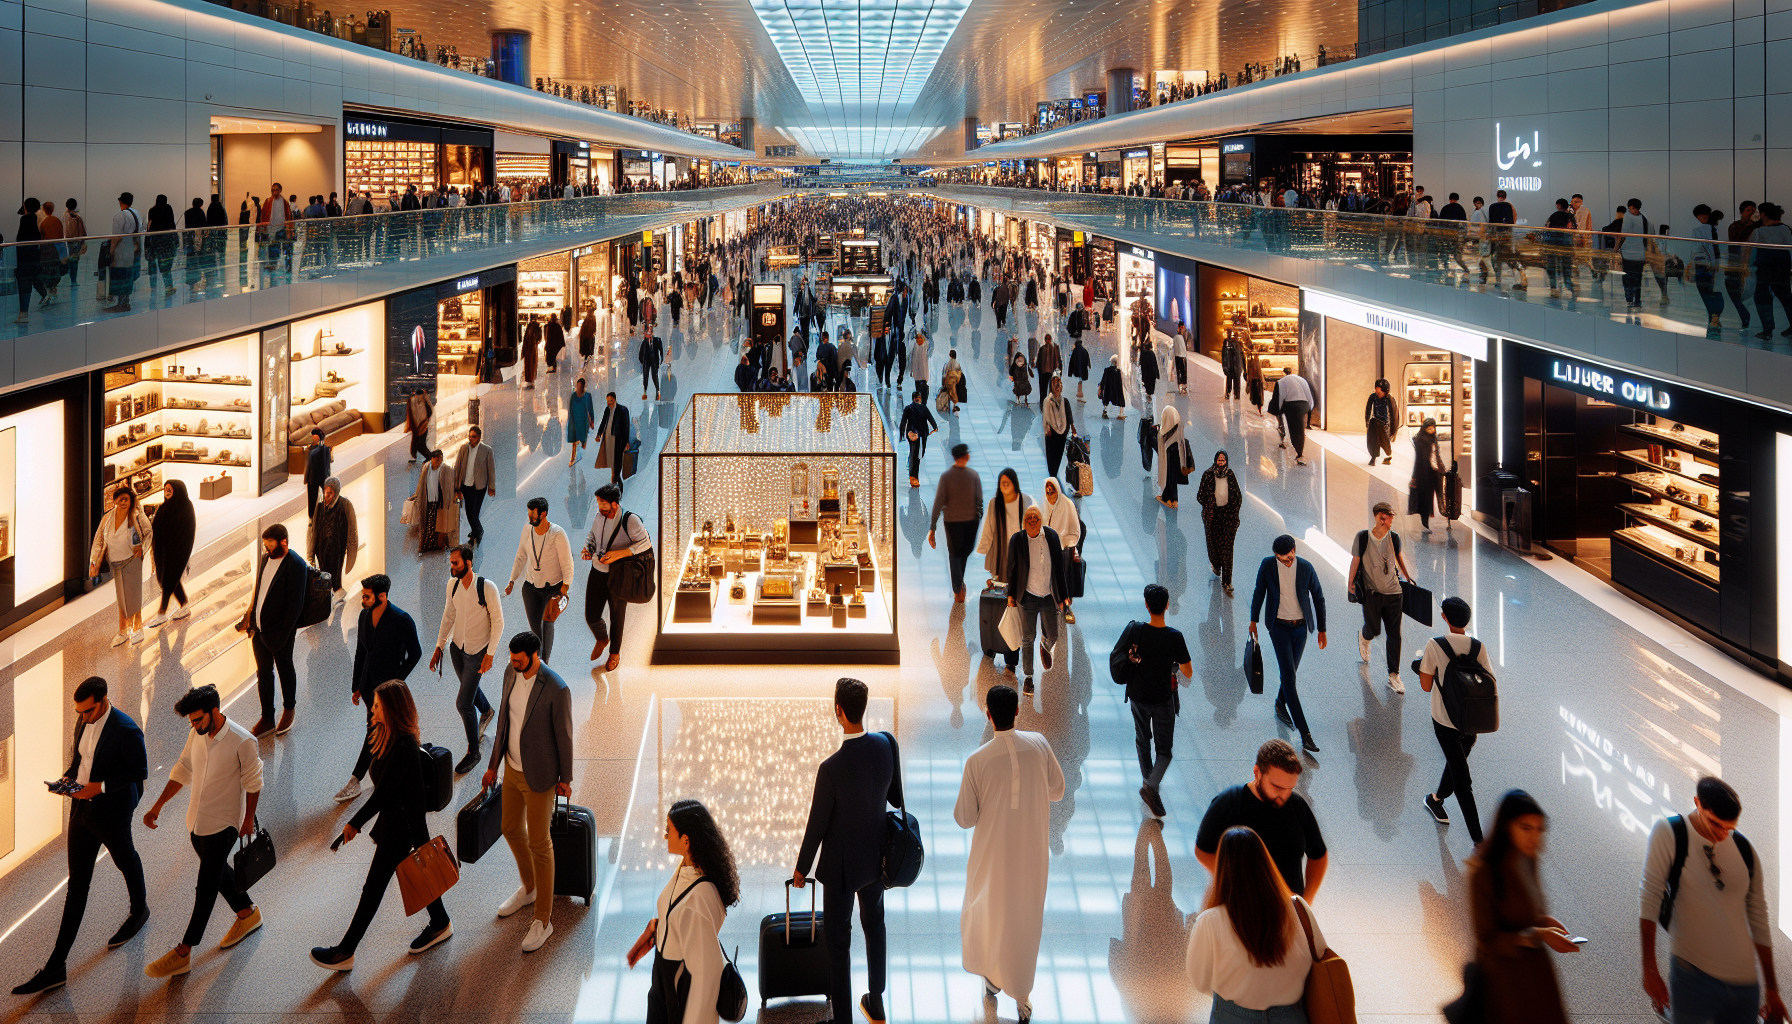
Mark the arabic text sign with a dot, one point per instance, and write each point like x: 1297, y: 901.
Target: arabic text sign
x: 1520, y: 156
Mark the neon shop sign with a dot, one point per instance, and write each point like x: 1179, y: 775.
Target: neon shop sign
x: 1620, y: 388
x: 1520, y: 156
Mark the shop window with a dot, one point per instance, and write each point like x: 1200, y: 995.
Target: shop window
x: 189, y: 416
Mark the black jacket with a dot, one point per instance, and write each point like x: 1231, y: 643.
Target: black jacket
x: 279, y: 619
x: 846, y: 815
x: 317, y: 464
x: 387, y: 651
x: 120, y: 762
x: 918, y: 419
x: 615, y: 421
x: 397, y: 797
x: 174, y: 528
x: 1020, y: 562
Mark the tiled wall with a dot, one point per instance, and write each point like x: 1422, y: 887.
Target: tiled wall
x: 103, y: 96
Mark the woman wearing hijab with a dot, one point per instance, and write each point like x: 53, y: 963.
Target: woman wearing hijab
x: 1148, y: 369
x: 1060, y: 515
x: 1079, y: 365
x: 1021, y: 375
x: 1220, y: 497
x: 1427, y: 483
x: 587, y: 336
x: 1169, y: 455
x: 175, y: 527
x: 1112, y: 389
x: 1001, y: 520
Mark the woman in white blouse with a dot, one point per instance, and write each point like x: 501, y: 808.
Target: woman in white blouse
x: 687, y: 953
x: 1001, y: 521
x: 1061, y: 517
x: 1250, y: 947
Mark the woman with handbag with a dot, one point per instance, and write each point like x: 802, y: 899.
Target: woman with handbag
x: 1172, y: 468
x: 399, y: 803
x: 1220, y: 498
x: 688, y: 960
x: 1512, y: 926
x: 120, y: 542
x: 1253, y: 945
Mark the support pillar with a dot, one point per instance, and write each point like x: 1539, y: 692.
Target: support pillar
x: 1119, y: 90
x: 970, y: 134
x: 746, y: 135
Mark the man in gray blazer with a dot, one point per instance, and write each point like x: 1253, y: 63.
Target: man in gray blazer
x: 534, y: 743
x: 477, y: 472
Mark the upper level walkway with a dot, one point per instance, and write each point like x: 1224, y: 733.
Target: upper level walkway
x: 210, y: 282
x: 1433, y: 268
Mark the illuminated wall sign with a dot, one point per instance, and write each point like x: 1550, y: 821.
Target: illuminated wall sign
x: 1232, y: 147
x: 1138, y: 154
x: 1519, y: 156
x: 1611, y: 387
x: 1144, y: 254
x: 467, y: 284
x: 1399, y: 324
x: 364, y: 129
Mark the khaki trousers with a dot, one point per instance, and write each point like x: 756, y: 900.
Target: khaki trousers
x: 525, y: 827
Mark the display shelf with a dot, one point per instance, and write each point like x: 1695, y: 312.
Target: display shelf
x: 1682, y: 527
x: 1669, y: 548
x: 1687, y: 440
x: 341, y: 355
x: 1642, y: 459
x: 1657, y: 486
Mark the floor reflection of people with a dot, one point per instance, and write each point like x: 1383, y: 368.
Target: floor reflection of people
x: 1221, y: 676
x: 1144, y: 961
x: 1382, y: 767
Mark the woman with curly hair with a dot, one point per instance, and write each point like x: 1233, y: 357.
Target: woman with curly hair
x: 687, y: 954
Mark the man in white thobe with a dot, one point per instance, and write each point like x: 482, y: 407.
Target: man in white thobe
x: 1006, y: 795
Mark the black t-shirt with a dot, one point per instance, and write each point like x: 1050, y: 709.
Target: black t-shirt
x: 1289, y: 831
x: 1161, y: 651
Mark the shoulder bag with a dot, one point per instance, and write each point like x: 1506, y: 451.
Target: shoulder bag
x: 731, y: 995
x: 903, y: 852
x: 426, y: 873
x: 631, y: 578
x: 1330, y: 996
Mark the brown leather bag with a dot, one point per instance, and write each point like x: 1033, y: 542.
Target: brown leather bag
x: 555, y: 606
x: 1330, y: 996
x: 429, y: 871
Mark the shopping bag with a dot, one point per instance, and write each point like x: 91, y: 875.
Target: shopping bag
x: 408, y: 517
x: 1415, y: 601
x: 1010, y: 627
x: 426, y: 873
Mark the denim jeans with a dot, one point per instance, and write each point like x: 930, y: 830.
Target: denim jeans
x: 1154, y: 722
x: 1289, y: 642
x: 1697, y: 998
x: 1225, y: 1011
x: 470, y: 700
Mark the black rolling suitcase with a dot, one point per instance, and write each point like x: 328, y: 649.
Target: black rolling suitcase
x: 477, y: 826
x: 438, y: 777
x: 991, y: 605
x: 574, y: 831
x: 793, y: 955
x: 1451, y: 505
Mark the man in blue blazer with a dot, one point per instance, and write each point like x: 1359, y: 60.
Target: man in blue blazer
x: 1296, y: 608
x: 109, y: 765
x: 846, y: 820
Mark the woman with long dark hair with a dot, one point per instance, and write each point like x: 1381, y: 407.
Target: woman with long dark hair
x: 119, y: 542
x: 687, y: 954
x: 1220, y: 498
x: 1253, y: 944
x: 1512, y: 927
x: 398, y: 802
x: 175, y: 526
x: 1427, y: 484
x: 1000, y: 522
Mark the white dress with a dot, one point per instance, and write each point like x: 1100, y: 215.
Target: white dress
x: 691, y: 936
x: 1006, y: 795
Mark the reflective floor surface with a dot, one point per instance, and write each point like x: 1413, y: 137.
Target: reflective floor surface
x: 1606, y: 724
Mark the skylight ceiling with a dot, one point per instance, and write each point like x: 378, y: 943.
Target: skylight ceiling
x: 860, y: 66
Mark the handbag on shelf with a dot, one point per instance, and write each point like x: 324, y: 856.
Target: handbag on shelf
x: 426, y: 873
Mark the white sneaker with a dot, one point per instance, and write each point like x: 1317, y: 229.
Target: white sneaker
x: 182, y: 613
x: 517, y: 901
x: 137, y: 637
x: 1395, y: 684
x: 1362, y: 648
x: 119, y: 638
x: 156, y: 620
x: 538, y: 934
x: 350, y: 791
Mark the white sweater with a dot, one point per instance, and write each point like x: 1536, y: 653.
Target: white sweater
x: 1218, y: 964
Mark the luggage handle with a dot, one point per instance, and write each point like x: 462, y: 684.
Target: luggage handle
x: 788, y: 882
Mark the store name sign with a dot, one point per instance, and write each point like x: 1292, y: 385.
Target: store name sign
x: 1523, y: 154
x: 364, y: 130
x: 467, y: 284
x: 1425, y: 332
x: 1232, y: 147
x: 1144, y: 254
x: 1598, y: 381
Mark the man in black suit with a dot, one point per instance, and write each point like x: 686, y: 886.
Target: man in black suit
x: 386, y: 647
x: 894, y: 320
x: 846, y: 819
x: 272, y: 622
x: 914, y: 427
x: 109, y: 766
x: 613, y: 436
x: 317, y: 469
x: 1038, y: 587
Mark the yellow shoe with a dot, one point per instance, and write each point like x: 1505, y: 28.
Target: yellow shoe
x: 242, y: 928
x: 172, y: 962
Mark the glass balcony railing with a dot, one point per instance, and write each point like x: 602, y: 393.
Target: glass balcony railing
x: 179, y: 268
x: 1684, y: 285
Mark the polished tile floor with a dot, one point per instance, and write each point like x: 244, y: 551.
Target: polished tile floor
x: 1606, y: 725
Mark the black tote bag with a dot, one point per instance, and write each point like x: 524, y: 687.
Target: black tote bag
x: 1415, y: 601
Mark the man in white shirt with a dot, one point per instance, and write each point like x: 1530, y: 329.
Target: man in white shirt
x: 222, y: 763
x: 1455, y: 743
x: 1702, y: 883
x: 1037, y: 587
x: 472, y: 623
x: 544, y: 564
x: 1293, y: 401
x: 126, y: 247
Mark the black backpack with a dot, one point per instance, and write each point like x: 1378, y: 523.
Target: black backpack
x: 1470, y: 694
x: 1665, y: 915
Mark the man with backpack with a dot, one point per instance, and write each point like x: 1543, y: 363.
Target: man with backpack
x: 1454, y: 669
x: 472, y: 626
x: 1376, y: 566
x: 1145, y: 660
x: 1708, y: 893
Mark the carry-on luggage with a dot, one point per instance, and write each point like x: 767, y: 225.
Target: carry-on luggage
x: 319, y: 587
x: 477, y: 825
x: 991, y: 605
x: 574, y: 831
x: 1451, y: 505
x: 793, y: 955
x: 438, y: 776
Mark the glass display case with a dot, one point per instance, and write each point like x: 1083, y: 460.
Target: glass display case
x: 777, y: 520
